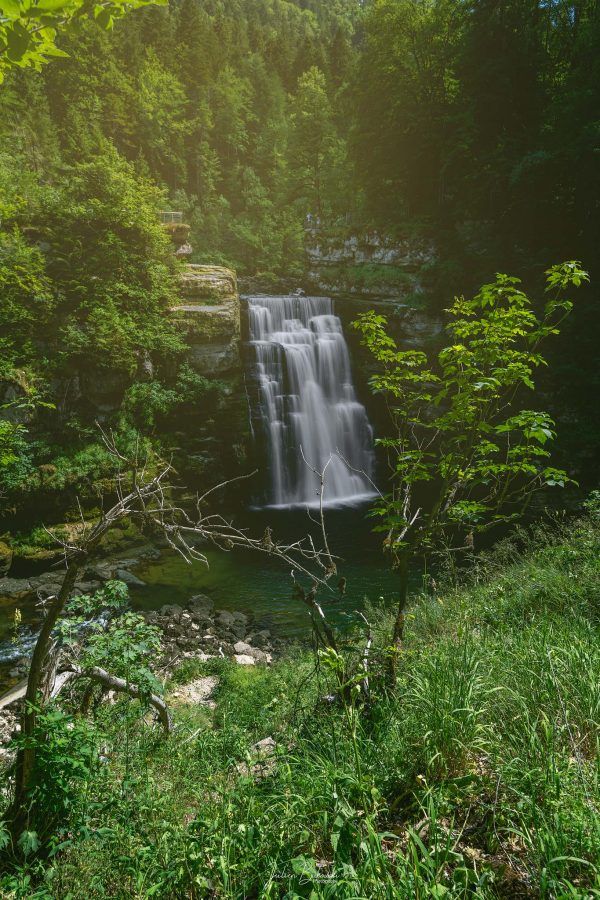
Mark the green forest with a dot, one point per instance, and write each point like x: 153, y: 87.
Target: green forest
x: 299, y: 447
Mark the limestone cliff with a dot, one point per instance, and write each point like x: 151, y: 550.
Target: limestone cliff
x: 210, y: 314
x: 368, y: 265
x: 214, y: 446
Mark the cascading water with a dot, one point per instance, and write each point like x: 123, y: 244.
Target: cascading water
x: 308, y: 405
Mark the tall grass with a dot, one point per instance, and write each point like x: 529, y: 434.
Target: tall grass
x: 479, y: 777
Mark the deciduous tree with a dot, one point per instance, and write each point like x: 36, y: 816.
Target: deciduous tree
x: 465, y: 453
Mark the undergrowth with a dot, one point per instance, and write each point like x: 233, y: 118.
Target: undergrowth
x: 478, y: 777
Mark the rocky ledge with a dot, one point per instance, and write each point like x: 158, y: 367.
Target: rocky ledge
x: 369, y: 265
x: 209, y: 314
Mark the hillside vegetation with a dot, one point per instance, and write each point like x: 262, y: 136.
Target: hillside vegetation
x: 248, y: 116
x: 476, y: 777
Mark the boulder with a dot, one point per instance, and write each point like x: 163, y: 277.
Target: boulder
x: 171, y: 611
x: 242, y: 660
x: 200, y: 601
x: 129, y: 578
x: 201, y: 617
x: 261, y: 639
x: 265, y: 747
x: 14, y: 587
x: 258, y: 656
x: 88, y: 587
x: 102, y: 571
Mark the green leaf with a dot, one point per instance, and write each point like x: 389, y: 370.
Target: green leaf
x: 52, y: 5
x: 29, y: 842
x: 18, y: 41
x: 10, y: 9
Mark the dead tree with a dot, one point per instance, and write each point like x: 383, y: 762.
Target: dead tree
x: 150, y: 500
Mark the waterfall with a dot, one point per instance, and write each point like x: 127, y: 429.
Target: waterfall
x: 307, y: 403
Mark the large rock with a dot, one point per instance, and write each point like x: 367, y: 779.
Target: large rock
x: 172, y: 611
x: 243, y: 660
x: 197, y: 692
x: 129, y: 578
x: 261, y: 639
x: 209, y: 313
x: 14, y: 587
x: 244, y: 649
x: 200, y: 602
x: 225, y: 619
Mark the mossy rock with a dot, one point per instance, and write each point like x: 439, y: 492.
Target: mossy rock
x: 6, y: 558
x: 121, y: 537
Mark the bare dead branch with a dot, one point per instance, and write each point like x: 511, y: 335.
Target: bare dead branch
x: 112, y: 682
x: 359, y: 472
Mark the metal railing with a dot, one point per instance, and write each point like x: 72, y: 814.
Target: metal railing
x: 168, y: 217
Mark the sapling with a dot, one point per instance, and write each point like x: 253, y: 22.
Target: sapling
x: 465, y: 453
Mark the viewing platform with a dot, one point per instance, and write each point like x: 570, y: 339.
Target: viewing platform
x: 178, y: 231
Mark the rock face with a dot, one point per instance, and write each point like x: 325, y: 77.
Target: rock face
x: 368, y: 265
x: 210, y: 316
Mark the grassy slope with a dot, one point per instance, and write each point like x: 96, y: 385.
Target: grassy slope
x: 479, y: 778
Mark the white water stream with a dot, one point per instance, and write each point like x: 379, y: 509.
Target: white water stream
x: 308, y: 404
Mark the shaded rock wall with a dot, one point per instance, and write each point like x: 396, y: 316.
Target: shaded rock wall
x: 368, y: 265
x: 210, y: 314
x: 215, y: 446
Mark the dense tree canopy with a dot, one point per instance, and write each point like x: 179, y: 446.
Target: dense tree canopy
x: 203, y: 97
x: 473, y: 123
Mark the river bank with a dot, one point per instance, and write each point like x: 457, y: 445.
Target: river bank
x: 477, y: 773
x: 245, y: 583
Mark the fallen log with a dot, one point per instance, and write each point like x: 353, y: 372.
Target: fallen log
x: 112, y: 682
x: 16, y: 692
x: 100, y: 676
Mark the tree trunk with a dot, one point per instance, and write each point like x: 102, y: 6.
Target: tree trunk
x: 398, y: 634
x: 18, y: 813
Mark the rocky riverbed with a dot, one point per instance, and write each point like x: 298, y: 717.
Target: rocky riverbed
x: 200, y: 631
x: 195, y: 630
